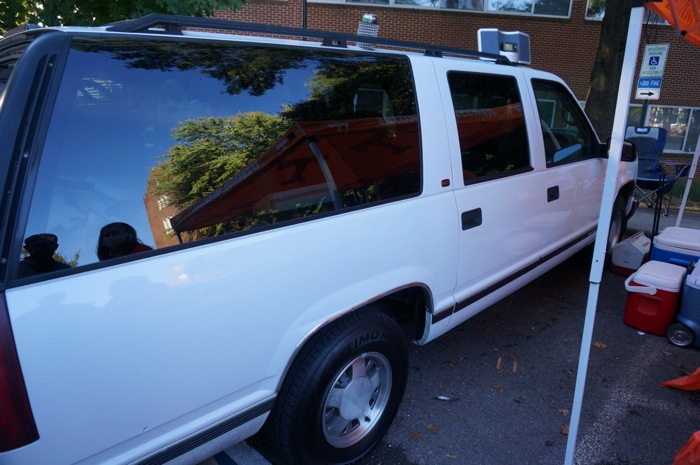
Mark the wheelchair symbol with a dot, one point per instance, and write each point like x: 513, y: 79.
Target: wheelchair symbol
x: 654, y: 61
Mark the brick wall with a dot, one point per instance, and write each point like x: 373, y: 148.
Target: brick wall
x: 565, y: 47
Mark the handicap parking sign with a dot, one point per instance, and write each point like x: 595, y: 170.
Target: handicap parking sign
x: 654, y: 60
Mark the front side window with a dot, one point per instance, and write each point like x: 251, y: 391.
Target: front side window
x: 566, y: 133
x: 155, y: 143
x: 493, y: 138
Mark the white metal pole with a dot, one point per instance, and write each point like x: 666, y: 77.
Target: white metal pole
x: 691, y: 175
x: 609, y: 193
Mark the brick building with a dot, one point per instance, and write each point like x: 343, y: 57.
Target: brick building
x: 563, y: 41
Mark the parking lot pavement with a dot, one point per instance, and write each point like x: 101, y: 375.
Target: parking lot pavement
x: 643, y: 220
x: 240, y: 454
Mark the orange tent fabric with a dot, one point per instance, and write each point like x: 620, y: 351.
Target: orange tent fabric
x: 687, y: 383
x: 689, y: 454
x: 684, y: 16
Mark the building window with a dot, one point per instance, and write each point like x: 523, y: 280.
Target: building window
x: 557, y: 8
x: 595, y: 10
x: 162, y: 202
x: 682, y: 124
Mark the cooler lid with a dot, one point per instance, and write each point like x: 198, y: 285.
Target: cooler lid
x: 660, y: 275
x: 693, y: 279
x: 680, y: 238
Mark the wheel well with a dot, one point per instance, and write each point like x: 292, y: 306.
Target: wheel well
x: 407, y: 307
x: 627, y: 193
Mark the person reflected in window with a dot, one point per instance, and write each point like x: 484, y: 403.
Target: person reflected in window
x: 117, y: 240
x: 41, y: 249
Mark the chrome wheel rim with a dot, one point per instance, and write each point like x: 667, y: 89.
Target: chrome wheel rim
x: 356, y: 399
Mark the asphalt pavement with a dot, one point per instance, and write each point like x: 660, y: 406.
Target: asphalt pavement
x: 643, y: 219
x: 498, y: 390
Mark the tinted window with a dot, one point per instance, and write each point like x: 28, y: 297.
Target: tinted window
x: 492, y: 135
x: 8, y: 58
x: 203, y: 140
x: 566, y: 133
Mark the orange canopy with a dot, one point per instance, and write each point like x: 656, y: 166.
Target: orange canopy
x: 684, y: 16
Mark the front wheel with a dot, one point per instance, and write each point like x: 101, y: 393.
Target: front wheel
x: 342, y: 391
x: 618, y: 224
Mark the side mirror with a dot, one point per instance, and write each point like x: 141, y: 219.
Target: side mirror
x: 629, y: 152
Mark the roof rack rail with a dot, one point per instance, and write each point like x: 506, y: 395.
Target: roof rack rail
x: 173, y: 24
x: 19, y: 29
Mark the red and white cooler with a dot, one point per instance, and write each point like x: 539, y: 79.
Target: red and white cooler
x: 628, y: 255
x: 653, y: 296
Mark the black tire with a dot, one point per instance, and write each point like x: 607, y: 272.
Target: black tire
x: 618, y: 224
x: 680, y: 335
x: 342, y: 391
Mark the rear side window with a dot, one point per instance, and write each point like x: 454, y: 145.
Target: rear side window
x: 566, y: 133
x: 154, y: 143
x: 493, y: 138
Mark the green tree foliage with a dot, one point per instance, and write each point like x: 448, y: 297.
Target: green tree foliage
x: 334, y: 89
x: 73, y: 262
x: 95, y: 12
x: 59, y: 257
x: 595, y: 9
x: 210, y: 151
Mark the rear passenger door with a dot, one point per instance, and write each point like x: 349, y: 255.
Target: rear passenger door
x: 501, y: 190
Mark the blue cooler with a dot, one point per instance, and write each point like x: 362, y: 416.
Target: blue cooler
x: 687, y: 330
x: 678, y: 246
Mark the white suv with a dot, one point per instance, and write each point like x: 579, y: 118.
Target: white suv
x: 206, y: 233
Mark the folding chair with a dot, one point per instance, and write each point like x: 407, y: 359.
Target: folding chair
x: 656, y: 176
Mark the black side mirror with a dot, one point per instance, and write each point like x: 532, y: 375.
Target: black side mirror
x: 629, y: 152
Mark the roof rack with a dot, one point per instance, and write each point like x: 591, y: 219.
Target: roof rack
x: 173, y: 24
x: 19, y: 29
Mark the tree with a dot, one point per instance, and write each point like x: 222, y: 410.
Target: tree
x: 605, y: 76
x: 211, y: 150
x: 95, y: 12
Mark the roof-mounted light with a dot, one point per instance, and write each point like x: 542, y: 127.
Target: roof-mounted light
x: 513, y: 45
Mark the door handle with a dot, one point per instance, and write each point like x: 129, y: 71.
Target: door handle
x: 553, y: 194
x: 471, y: 219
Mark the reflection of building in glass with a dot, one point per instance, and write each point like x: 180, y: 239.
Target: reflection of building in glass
x: 159, y: 213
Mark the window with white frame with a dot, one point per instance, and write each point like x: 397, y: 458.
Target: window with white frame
x: 595, y: 10
x: 556, y: 8
x: 682, y: 124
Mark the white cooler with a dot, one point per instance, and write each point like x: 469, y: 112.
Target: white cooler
x: 629, y: 254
